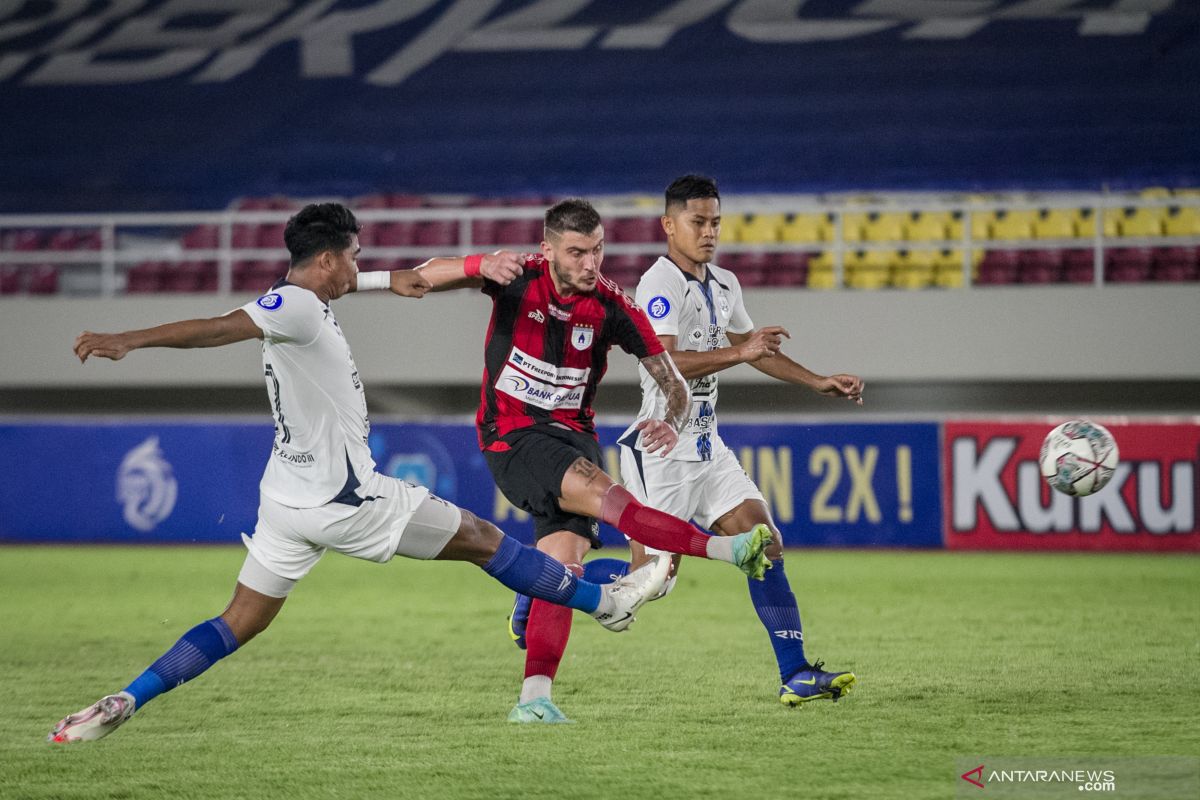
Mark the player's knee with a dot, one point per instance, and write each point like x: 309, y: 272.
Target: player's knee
x: 477, y: 539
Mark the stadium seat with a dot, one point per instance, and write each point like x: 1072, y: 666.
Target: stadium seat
x: 787, y: 269
x: 245, y: 237
x: 928, y: 226
x: 257, y: 276
x: 10, y: 280
x: 885, y: 228
x: 1055, y: 223
x: 190, y: 276
x: 1079, y: 266
x: 202, y: 237
x: 1014, y: 225
x: 1086, y: 226
x: 633, y: 230
x: 483, y: 231
x: 1127, y: 264
x: 948, y: 268
x: 369, y: 201
x: 522, y: 233
x: 436, y: 233
x: 1143, y: 222
x: 852, y: 226
x: 625, y: 270
x: 998, y: 267
x: 915, y: 270
x: 806, y: 229
x: 1039, y: 266
x: 394, y: 234
x: 981, y: 225
x: 42, y: 279
x: 271, y: 235
x: 762, y: 228
x: 145, y: 277
x: 1176, y: 264
x: 405, y: 201
x: 870, y: 269
x: 1183, y: 221
x: 751, y: 268
x: 24, y: 240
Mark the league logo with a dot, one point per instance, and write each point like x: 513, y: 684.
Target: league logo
x: 270, y: 301
x: 581, y: 336
x: 146, y: 486
x: 658, y: 307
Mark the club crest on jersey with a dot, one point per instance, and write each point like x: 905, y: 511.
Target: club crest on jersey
x: 581, y: 336
x: 723, y: 302
x: 270, y: 301
x: 658, y: 307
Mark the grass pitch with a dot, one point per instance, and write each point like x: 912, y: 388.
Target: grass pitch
x: 394, y: 681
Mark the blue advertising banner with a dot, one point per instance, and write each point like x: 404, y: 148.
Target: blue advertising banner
x: 161, y: 104
x: 862, y: 485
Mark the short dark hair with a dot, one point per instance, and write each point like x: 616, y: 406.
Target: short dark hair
x: 318, y: 227
x: 575, y: 215
x: 690, y: 187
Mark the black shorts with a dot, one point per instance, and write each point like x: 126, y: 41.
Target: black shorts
x: 530, y: 474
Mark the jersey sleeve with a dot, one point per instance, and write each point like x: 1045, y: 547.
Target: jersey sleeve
x: 287, y: 316
x: 662, y: 298
x: 531, y: 261
x: 632, y: 329
x: 739, y: 319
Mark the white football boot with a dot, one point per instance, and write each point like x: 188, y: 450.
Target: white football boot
x: 94, y: 722
x: 630, y: 592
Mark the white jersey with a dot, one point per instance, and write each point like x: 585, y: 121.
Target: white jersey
x: 698, y: 314
x: 321, y: 424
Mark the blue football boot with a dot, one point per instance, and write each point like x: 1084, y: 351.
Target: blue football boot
x: 813, y: 683
x: 518, y: 619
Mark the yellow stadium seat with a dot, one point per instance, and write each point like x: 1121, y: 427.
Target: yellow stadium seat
x: 1056, y: 223
x: 731, y: 227
x: 981, y: 225
x: 928, y: 226
x: 1185, y: 221
x: 870, y: 269
x: 1143, y: 222
x: 915, y: 270
x: 852, y: 226
x: 1112, y: 217
x: 820, y: 271
x: 885, y: 228
x: 1186, y: 193
x: 762, y: 228
x: 806, y: 229
x: 1015, y: 224
x: 1155, y: 193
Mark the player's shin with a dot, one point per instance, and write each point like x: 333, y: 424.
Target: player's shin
x: 651, y: 527
x: 777, y: 610
x: 197, y: 650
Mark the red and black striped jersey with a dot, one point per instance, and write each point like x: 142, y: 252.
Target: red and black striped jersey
x: 545, y: 354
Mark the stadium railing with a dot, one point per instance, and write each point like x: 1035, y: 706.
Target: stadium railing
x: 901, y: 241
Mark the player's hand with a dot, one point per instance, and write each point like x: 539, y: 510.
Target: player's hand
x: 102, y: 345
x: 658, y: 436
x: 502, y: 266
x: 409, y: 283
x: 847, y: 386
x: 763, y: 343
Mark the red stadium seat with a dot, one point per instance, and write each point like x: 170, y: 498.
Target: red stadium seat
x: 73, y: 239
x: 10, y: 280
x: 636, y: 230
x: 752, y: 268
x: 24, y: 240
x: 190, y: 276
x: 202, y: 237
x: 1039, y: 266
x: 1127, y: 264
x: 998, y: 267
x: 257, y: 276
x: 787, y: 269
x: 1176, y: 264
x: 405, y: 201
x: 626, y: 270
x: 146, y: 277
x: 1079, y: 266
x: 42, y: 279
x: 436, y: 233
x: 271, y: 235
x: 519, y: 232
x: 394, y: 234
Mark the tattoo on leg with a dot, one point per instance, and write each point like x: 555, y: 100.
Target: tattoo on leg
x: 585, y: 468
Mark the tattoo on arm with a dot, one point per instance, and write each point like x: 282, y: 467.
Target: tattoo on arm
x: 667, y: 376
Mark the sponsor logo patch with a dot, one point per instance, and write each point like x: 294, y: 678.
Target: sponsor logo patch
x: 538, y: 393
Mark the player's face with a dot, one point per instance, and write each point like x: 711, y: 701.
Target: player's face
x: 694, y: 230
x: 344, y: 268
x: 575, y: 260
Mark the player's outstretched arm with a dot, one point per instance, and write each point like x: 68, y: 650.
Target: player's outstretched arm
x: 236, y: 326
x: 662, y: 434
x: 502, y: 267
x: 746, y: 348
x: 780, y: 367
x: 404, y: 282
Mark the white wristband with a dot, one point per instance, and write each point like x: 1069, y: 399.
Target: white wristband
x: 381, y: 279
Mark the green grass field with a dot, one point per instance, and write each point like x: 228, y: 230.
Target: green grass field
x: 394, y: 681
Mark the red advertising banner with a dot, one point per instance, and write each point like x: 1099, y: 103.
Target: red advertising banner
x: 996, y: 498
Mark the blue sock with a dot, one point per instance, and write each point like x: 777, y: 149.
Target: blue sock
x: 605, y: 570
x: 776, y: 607
x: 532, y: 572
x: 198, y: 649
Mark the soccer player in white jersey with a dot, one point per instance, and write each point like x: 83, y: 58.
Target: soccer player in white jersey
x: 697, y: 311
x: 320, y: 490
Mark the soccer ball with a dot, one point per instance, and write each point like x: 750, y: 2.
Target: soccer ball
x: 1078, y: 457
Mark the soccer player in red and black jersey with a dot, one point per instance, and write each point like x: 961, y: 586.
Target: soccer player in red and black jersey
x: 554, y: 319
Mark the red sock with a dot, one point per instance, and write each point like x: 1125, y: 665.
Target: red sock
x: 546, y: 634
x: 650, y: 526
